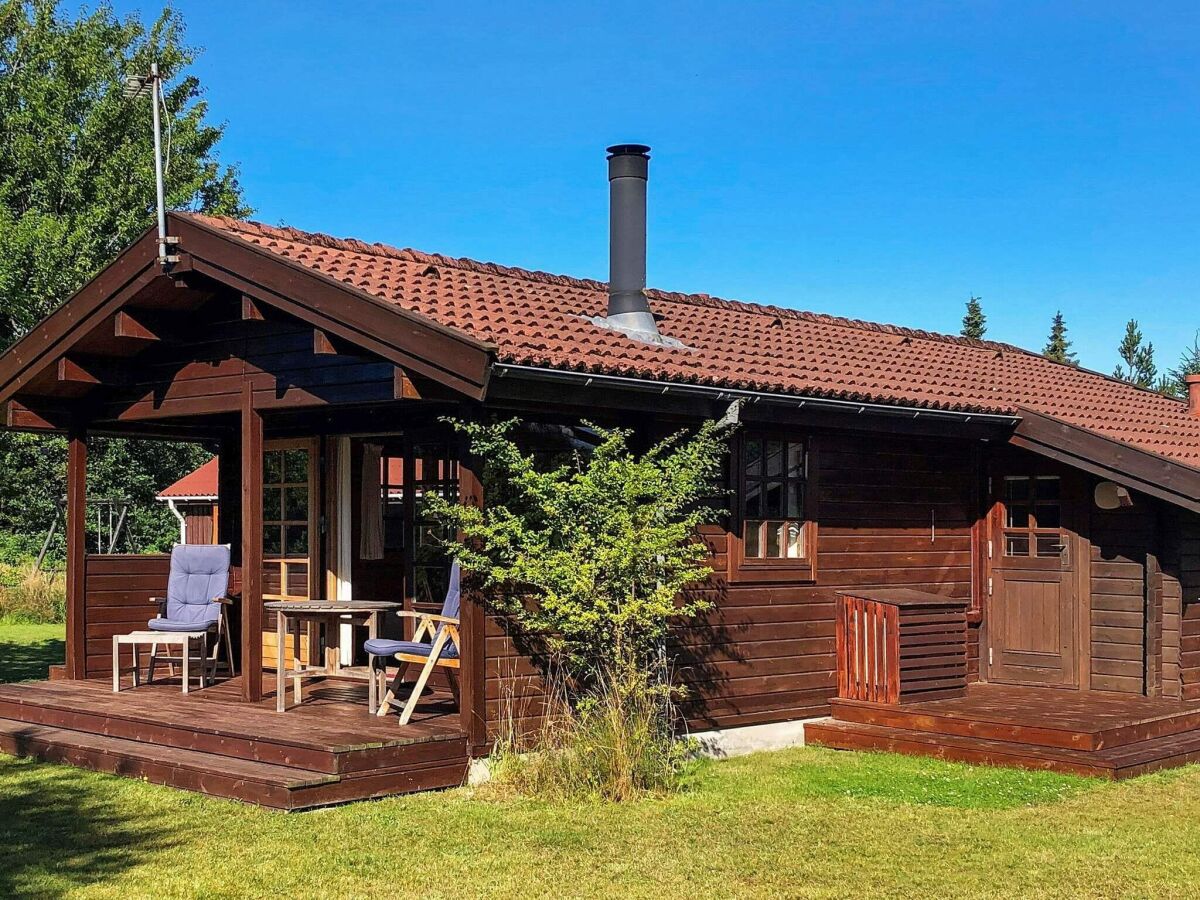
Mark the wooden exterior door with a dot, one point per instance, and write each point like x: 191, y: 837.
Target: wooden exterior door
x: 1033, y: 608
x: 408, y: 564
x: 290, y: 534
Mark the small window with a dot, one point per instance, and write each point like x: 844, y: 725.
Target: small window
x: 1033, y: 516
x: 773, y: 500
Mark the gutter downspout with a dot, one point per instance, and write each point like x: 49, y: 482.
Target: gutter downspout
x: 182, y: 520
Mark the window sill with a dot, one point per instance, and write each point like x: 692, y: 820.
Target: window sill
x: 801, y: 571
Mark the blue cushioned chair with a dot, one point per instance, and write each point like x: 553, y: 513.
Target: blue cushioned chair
x: 196, y: 603
x: 442, y: 648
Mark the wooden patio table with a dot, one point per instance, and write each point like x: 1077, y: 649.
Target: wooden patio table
x: 331, y: 612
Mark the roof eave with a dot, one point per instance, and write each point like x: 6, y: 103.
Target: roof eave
x: 1117, y: 461
x: 729, y: 394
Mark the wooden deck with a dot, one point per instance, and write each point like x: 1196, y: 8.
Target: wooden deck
x: 1079, y: 732
x: 327, y: 750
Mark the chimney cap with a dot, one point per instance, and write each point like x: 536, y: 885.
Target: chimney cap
x: 628, y: 150
x: 1194, y: 378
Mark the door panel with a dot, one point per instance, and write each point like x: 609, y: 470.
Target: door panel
x: 1032, y: 631
x: 290, y: 540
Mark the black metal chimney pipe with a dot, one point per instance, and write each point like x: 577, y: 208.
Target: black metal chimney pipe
x: 628, y: 309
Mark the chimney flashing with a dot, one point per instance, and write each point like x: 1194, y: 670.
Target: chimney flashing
x: 622, y: 325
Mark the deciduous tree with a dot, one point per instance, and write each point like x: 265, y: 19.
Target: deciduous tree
x: 76, y: 187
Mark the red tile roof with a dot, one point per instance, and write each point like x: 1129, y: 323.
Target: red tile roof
x: 202, y: 483
x: 538, y: 319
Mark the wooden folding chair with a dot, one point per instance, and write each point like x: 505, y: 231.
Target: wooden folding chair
x: 436, y: 643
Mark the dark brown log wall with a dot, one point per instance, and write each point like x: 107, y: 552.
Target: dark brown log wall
x: 117, y: 592
x: 1121, y: 540
x: 1185, y: 570
x: 202, y: 371
x: 892, y: 511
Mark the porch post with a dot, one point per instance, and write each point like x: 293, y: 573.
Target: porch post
x: 76, y: 529
x: 472, y: 696
x: 252, y: 566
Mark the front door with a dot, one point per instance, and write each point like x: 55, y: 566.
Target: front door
x: 1032, y: 612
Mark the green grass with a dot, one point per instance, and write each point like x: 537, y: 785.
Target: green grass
x: 804, y: 822
x: 28, y: 651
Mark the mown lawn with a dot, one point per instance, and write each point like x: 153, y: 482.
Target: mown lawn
x: 795, y: 823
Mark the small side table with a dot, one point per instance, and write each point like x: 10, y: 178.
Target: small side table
x: 182, y: 639
x: 331, y: 612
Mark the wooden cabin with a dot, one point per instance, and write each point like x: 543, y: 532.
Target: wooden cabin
x: 935, y: 545
x: 193, y: 500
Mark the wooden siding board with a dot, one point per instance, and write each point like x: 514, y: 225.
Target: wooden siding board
x: 766, y: 653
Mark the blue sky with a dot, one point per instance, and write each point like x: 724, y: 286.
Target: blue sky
x: 875, y: 160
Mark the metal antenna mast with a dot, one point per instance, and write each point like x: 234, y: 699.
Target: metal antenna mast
x: 137, y: 86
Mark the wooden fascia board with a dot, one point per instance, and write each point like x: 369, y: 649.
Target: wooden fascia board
x: 1104, y: 457
x: 397, y: 335
x: 97, y: 300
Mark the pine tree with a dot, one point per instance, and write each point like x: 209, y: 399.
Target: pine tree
x: 1058, y: 348
x: 1175, y: 381
x: 1139, y: 365
x: 974, y: 323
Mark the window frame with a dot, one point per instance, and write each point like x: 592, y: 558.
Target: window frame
x: 765, y: 569
x: 282, y: 560
x: 1032, y: 531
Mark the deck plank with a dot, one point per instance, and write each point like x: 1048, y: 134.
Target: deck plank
x: 327, y: 750
x: 1080, y: 732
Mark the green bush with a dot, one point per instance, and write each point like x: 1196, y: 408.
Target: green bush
x: 593, y: 557
x: 29, y: 595
x: 592, y: 560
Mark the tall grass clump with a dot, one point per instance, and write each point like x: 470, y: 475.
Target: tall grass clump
x: 616, y: 743
x: 29, y: 595
x: 589, y: 559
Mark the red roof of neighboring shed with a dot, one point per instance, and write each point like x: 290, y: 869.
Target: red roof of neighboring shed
x: 199, y: 484
x: 538, y: 319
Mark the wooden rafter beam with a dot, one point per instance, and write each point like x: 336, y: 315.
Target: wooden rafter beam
x: 322, y: 344
x: 68, y: 371
x: 20, y: 417
x: 251, y: 309
x: 89, y: 371
x: 132, y: 328
x: 403, y: 387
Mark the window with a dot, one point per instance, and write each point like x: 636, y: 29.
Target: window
x: 287, y: 521
x: 391, y: 488
x: 774, y: 519
x: 411, y: 562
x: 1033, y: 516
x: 435, y: 471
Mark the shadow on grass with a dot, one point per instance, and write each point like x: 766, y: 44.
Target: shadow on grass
x: 24, y: 660
x: 62, y: 829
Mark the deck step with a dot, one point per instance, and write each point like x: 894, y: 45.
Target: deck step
x: 222, y: 776
x: 251, y: 781
x: 1023, y: 727
x: 1126, y: 761
x: 223, y: 729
